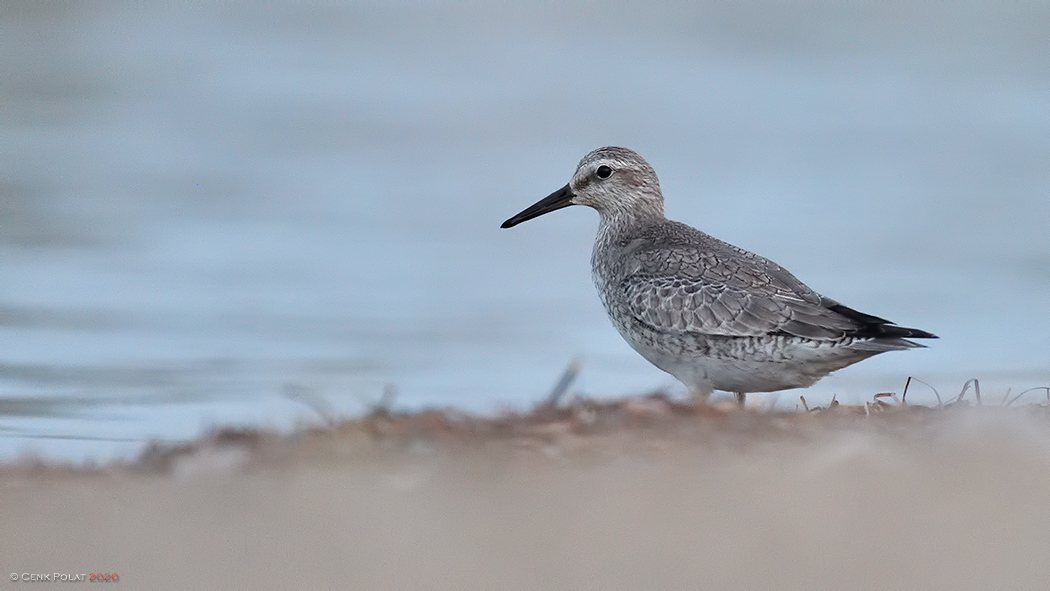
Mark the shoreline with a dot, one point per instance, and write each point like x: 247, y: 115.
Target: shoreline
x: 582, y: 424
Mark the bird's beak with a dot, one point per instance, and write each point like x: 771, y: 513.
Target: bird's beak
x: 556, y: 200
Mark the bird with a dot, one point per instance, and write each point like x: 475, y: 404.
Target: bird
x: 714, y: 316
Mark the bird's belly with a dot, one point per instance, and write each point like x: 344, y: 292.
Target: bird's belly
x: 737, y: 364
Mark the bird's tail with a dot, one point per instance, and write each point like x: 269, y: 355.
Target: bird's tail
x: 873, y: 327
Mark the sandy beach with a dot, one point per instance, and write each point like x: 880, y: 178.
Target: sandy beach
x: 640, y: 495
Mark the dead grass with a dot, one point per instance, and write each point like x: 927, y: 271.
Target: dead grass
x: 580, y: 427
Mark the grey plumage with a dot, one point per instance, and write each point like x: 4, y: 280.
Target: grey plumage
x: 713, y: 315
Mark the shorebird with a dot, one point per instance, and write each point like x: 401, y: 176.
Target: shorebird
x: 713, y: 315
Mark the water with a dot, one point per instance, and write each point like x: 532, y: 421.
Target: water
x: 205, y: 208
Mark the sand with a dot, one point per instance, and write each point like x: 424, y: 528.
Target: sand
x: 651, y: 498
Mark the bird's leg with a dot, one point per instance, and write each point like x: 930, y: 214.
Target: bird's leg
x: 740, y: 398
x: 699, y: 395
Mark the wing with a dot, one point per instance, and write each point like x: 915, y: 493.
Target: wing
x: 682, y: 280
x: 730, y: 292
x: 716, y: 308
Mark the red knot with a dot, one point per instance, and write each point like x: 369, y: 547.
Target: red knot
x: 714, y: 316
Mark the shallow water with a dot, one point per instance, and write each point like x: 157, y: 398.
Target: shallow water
x: 206, y: 212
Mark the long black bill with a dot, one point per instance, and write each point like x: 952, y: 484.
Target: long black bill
x: 556, y: 200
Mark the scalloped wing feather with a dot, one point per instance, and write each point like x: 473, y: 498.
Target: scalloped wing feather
x: 717, y: 308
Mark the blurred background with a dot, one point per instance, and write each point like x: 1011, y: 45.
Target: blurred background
x: 209, y: 211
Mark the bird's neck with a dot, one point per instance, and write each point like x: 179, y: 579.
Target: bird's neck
x: 616, y: 224
x: 616, y: 233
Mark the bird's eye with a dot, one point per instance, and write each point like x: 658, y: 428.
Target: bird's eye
x: 603, y: 172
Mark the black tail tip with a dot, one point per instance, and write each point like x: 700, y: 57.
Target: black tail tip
x: 921, y: 334
x: 891, y: 330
